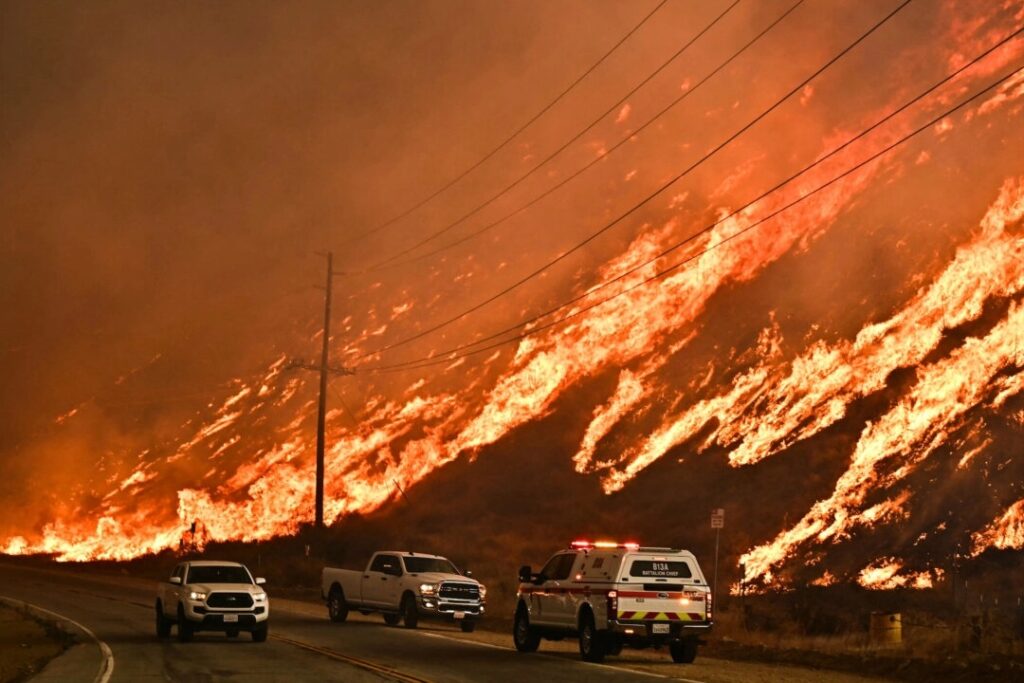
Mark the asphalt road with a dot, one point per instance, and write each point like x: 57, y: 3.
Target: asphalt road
x: 113, y: 618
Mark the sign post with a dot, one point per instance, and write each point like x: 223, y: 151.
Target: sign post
x: 717, y: 523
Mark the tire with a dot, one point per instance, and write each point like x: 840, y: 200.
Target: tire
x: 410, y: 614
x: 259, y: 634
x: 524, y: 636
x: 592, y: 641
x: 337, y: 609
x: 163, y: 624
x: 683, y: 651
x: 392, y: 619
x: 468, y: 625
x: 614, y: 647
x: 185, y: 630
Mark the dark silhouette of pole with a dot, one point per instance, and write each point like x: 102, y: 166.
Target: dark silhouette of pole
x: 321, y: 415
x: 325, y: 369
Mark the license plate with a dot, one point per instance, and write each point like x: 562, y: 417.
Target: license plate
x: 659, y: 628
x: 230, y: 618
x: 460, y: 615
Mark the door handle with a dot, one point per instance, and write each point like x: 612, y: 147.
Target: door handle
x: 366, y: 576
x: 383, y: 578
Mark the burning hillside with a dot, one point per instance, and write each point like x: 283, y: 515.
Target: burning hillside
x: 832, y: 302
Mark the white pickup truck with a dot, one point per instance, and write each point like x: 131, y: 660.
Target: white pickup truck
x: 403, y: 586
x: 212, y: 596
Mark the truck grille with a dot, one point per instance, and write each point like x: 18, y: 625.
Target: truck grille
x: 230, y: 600
x: 459, y: 591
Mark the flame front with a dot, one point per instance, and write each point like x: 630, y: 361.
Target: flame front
x: 242, y: 468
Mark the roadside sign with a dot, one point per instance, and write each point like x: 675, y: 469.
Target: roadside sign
x: 718, y: 518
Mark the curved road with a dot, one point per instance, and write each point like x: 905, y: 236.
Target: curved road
x: 305, y: 646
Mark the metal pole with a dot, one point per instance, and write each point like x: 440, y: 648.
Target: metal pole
x: 321, y: 416
x: 714, y: 586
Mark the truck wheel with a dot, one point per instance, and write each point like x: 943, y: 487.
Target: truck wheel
x: 410, y: 615
x: 337, y: 609
x: 592, y: 647
x: 259, y: 634
x: 468, y: 625
x: 683, y: 651
x: 392, y: 619
x: 525, y: 636
x: 185, y: 630
x: 163, y: 624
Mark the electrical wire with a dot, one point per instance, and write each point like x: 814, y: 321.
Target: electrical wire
x: 666, y: 271
x: 390, y: 261
x: 480, y: 162
x: 818, y: 161
x: 608, y: 226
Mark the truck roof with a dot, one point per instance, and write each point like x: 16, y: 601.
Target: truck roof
x: 409, y: 553
x: 623, y: 549
x: 214, y: 563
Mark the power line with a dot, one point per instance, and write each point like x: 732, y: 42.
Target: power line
x: 489, y: 226
x: 394, y: 257
x: 608, y: 226
x: 662, y: 273
x: 344, y: 404
x: 423, y: 202
x: 818, y: 161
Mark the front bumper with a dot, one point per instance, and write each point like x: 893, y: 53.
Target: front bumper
x: 214, y: 619
x: 443, y: 608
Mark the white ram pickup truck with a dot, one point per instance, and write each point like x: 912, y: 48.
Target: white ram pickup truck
x: 212, y: 596
x: 403, y: 586
x: 610, y: 595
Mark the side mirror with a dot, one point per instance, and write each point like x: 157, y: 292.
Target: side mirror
x: 525, y: 574
x: 176, y: 580
x: 467, y: 572
x: 260, y: 581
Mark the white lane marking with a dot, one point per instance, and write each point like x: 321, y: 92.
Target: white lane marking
x: 106, y: 666
x: 603, y: 666
x: 460, y: 640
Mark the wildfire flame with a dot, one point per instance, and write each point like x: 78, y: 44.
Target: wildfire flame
x: 243, y: 468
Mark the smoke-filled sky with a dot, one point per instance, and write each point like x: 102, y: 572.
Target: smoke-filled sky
x: 170, y: 170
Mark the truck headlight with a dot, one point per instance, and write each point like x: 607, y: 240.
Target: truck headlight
x: 196, y: 595
x: 260, y: 597
x: 483, y: 592
x: 428, y: 589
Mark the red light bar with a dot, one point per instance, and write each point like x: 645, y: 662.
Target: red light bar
x: 582, y: 545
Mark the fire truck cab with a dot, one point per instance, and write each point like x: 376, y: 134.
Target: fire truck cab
x: 611, y: 595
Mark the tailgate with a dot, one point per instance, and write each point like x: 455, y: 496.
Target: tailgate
x: 656, y: 588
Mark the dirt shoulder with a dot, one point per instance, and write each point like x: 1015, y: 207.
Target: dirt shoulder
x: 26, y: 644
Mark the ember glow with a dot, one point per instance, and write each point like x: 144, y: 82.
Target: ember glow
x: 863, y: 339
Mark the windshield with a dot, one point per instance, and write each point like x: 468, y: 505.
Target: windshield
x: 422, y: 565
x: 218, y: 574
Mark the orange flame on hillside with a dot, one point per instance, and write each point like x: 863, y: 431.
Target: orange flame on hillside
x: 244, y: 470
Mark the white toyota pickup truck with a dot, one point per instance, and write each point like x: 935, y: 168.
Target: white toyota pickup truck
x: 212, y: 596
x: 614, y: 594
x: 403, y: 586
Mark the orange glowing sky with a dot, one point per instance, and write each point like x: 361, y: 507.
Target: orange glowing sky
x: 169, y: 172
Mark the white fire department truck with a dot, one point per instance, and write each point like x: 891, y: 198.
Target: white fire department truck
x: 614, y: 594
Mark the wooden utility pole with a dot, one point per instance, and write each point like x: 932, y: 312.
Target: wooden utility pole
x: 324, y: 368
x: 321, y: 414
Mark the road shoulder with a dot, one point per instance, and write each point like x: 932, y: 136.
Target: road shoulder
x: 27, y: 644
